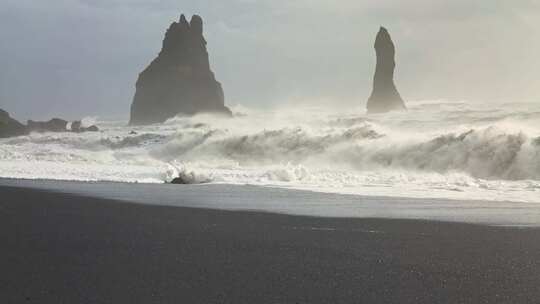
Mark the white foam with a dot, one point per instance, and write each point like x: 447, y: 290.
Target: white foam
x: 436, y: 149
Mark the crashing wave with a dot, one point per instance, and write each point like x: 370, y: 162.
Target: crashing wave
x: 446, y: 149
x: 489, y: 153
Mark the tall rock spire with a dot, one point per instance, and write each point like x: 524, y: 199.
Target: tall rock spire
x: 385, y: 96
x: 179, y: 80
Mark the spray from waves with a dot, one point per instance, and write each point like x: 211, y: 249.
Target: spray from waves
x: 434, y: 149
x: 488, y: 153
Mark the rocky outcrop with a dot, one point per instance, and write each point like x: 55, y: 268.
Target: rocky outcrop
x: 77, y: 127
x: 59, y: 125
x: 90, y: 129
x: 385, y: 96
x: 179, y: 80
x: 53, y: 125
x: 9, y: 127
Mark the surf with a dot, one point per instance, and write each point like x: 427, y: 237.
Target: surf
x: 437, y: 149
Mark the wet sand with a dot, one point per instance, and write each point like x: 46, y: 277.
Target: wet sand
x: 61, y: 248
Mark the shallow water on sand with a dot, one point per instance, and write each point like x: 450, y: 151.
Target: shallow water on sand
x: 296, y: 202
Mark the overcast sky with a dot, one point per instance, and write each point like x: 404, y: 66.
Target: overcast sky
x: 73, y: 58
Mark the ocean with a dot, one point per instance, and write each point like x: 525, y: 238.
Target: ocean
x: 436, y: 149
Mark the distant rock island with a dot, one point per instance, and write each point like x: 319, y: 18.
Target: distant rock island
x: 59, y: 125
x: 179, y: 80
x: 10, y: 127
x: 385, y: 97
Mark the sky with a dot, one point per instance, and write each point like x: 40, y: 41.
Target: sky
x: 78, y: 58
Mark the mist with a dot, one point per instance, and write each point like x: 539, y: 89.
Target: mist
x: 81, y: 58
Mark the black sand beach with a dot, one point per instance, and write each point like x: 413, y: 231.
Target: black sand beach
x: 60, y: 248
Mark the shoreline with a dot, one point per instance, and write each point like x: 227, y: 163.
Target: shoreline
x: 297, y: 202
x: 309, y: 188
x: 12, y: 180
x: 64, y: 248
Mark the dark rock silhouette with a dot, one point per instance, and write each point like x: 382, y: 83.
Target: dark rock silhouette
x: 77, y: 127
x: 9, y: 127
x: 385, y: 96
x: 59, y: 125
x: 90, y: 129
x: 53, y: 125
x: 179, y: 80
x: 180, y: 181
x: 186, y: 179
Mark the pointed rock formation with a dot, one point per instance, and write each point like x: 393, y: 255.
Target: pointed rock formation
x: 179, y: 80
x: 385, y: 96
x: 9, y: 127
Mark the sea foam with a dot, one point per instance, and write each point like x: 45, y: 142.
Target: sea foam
x: 436, y: 149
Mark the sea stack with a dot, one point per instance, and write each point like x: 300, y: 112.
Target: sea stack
x: 385, y: 96
x: 179, y: 80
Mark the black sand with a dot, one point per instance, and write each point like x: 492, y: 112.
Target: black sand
x: 57, y: 248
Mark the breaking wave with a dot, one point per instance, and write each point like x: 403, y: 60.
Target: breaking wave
x: 437, y: 149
